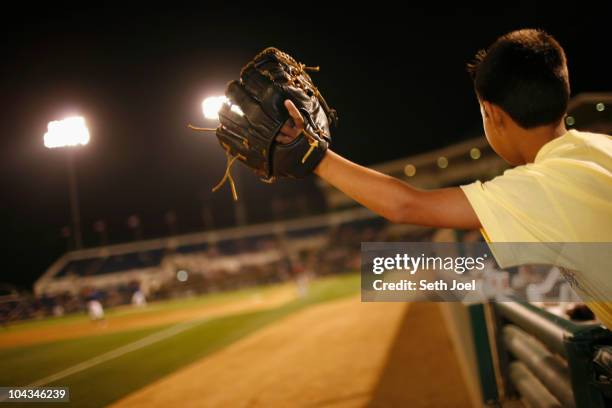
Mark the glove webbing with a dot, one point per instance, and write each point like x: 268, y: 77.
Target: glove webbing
x: 301, y: 71
x: 302, y: 68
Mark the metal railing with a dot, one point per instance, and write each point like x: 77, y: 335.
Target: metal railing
x: 543, y: 358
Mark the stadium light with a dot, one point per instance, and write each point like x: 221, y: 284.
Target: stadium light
x: 182, y: 275
x: 410, y: 170
x: 69, y: 132
x: 211, y: 106
x: 442, y: 162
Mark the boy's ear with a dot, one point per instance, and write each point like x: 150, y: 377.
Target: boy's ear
x: 493, y: 113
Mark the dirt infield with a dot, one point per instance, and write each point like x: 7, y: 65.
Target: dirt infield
x: 28, y: 336
x: 339, y: 354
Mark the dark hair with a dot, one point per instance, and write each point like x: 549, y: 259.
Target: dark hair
x: 525, y: 73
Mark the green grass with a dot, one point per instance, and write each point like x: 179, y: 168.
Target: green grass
x: 109, y: 381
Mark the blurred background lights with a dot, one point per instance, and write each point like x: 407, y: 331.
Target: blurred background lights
x: 67, y: 132
x: 475, y: 153
x: 211, y: 106
x: 182, y: 275
x: 600, y: 107
x: 410, y: 170
x: 569, y: 121
x: 442, y: 162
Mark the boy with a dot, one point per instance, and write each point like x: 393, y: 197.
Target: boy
x: 561, y: 189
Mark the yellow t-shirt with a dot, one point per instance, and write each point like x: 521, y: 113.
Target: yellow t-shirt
x: 565, y: 196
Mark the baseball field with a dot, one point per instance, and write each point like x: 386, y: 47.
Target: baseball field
x: 266, y: 346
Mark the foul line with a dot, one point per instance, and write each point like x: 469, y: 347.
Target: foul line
x: 128, y: 348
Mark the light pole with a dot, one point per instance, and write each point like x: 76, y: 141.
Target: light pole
x: 69, y: 132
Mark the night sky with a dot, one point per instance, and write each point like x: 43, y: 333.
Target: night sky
x: 138, y: 76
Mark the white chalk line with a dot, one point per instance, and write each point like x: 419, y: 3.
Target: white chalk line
x: 118, y: 352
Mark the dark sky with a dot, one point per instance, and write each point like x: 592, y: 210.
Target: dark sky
x: 138, y: 75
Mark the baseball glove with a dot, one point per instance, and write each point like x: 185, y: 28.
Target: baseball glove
x: 255, y: 113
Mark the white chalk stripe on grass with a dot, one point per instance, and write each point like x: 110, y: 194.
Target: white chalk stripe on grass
x: 118, y: 352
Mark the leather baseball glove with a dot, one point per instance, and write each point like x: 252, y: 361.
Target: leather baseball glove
x: 254, y: 114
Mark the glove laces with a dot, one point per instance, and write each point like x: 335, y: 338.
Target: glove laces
x: 227, y: 177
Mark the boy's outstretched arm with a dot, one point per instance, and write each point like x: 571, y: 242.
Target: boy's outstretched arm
x: 385, y: 195
x: 396, y: 200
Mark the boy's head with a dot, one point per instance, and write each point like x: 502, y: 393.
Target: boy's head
x: 522, y: 84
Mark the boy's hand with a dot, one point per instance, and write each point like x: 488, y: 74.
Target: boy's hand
x: 293, y: 127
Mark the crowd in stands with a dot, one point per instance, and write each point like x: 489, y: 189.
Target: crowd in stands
x: 211, y: 267
x: 232, y: 264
